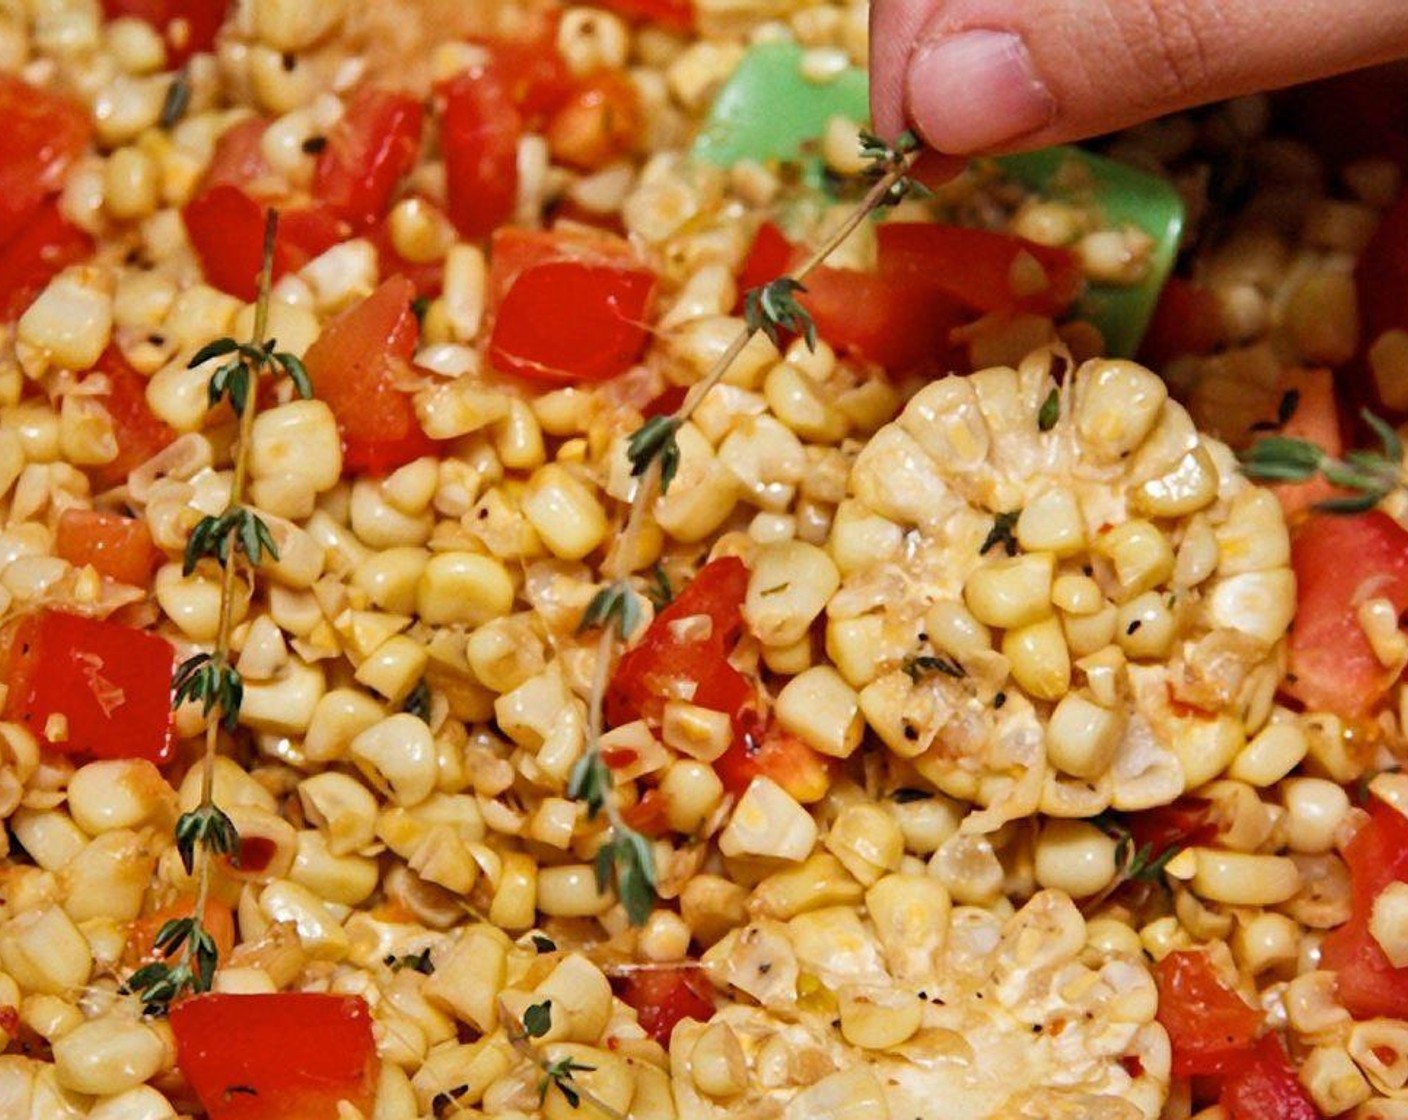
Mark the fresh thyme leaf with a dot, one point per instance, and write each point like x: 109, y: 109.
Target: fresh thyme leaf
x: 560, y: 1073
x: 1282, y: 459
x: 418, y: 701
x: 905, y: 795
x: 1290, y: 401
x: 205, y: 826
x: 217, y: 349
x: 1001, y: 533
x: 1050, y: 411
x: 176, y: 101
x: 214, y: 686
x: 660, y: 592
x: 883, y: 158
x: 212, y: 537
x: 543, y: 943
x: 773, y: 308
x: 615, y: 603
x: 537, y: 1020
x: 172, y: 935
x: 416, y: 962
x: 419, y: 306
x: 297, y: 372
x: 655, y: 439
x: 1393, y: 445
x: 630, y: 857
x: 918, y: 667
x: 590, y: 781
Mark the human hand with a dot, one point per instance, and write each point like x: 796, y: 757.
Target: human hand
x: 1004, y: 75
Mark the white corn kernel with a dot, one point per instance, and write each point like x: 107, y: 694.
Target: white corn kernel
x: 768, y: 822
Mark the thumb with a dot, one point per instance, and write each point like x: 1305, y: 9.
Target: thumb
x: 1001, y: 75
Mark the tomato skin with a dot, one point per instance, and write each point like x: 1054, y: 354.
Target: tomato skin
x: 140, y: 434
x: 238, y: 159
x: 592, y: 291
x: 773, y: 753
x: 664, y: 996
x: 599, y: 123
x: 299, y: 1052
x: 893, y: 317
x: 35, y: 255
x: 1266, y: 1086
x: 1339, y: 561
x: 226, y: 228
x: 44, y: 134
x: 187, y: 26
x: 111, y: 683
x: 655, y: 668
x: 1210, y: 1026
x: 533, y: 71
x: 355, y: 365
x: 1367, y: 983
x: 1184, y: 823
x: 118, y: 547
x: 1186, y: 321
x: 480, y: 129
x: 369, y: 151
x: 975, y: 267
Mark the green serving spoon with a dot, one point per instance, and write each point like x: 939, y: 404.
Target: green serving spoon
x: 771, y: 109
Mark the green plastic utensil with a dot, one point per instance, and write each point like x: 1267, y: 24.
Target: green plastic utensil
x: 770, y: 109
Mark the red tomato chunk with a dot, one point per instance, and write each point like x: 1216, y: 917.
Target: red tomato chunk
x: 664, y: 996
x: 40, y: 251
x: 480, y: 127
x: 1209, y: 1025
x: 118, y: 547
x: 283, y: 1056
x: 358, y: 366
x: 139, y: 432
x: 567, y: 308
x: 1340, y: 561
x: 369, y: 151
x: 1368, y: 985
x: 91, y: 687
x: 44, y: 134
x: 187, y: 26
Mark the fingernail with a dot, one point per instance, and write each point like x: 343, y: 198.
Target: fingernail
x: 976, y: 90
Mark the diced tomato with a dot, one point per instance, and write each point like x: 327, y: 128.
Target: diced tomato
x: 893, y: 318
x: 980, y: 269
x: 1339, y: 562
x: 1186, y: 822
x: 677, y: 15
x: 277, y: 1056
x: 118, y: 547
x: 93, y: 687
x: 219, y: 922
x: 44, y: 134
x: 664, y: 996
x: 674, y: 659
x: 369, y: 151
x: 593, y: 292
x: 238, y: 159
x: 480, y: 129
x: 1317, y: 419
x: 1266, y: 1086
x: 35, y: 255
x: 649, y: 815
x: 140, y: 434
x: 773, y: 753
x: 1368, y: 984
x: 1210, y: 1027
x: 187, y: 26
x: 357, y: 366
x: 600, y: 122
x: 1187, y: 320
x: 226, y: 228
x: 532, y: 69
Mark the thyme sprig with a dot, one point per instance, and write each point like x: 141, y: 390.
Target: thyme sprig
x: 1371, y: 476
x: 654, y: 454
x: 188, y: 953
x: 1140, y: 863
x: 556, y: 1072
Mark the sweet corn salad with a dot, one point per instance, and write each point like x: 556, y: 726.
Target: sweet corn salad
x: 477, y: 643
